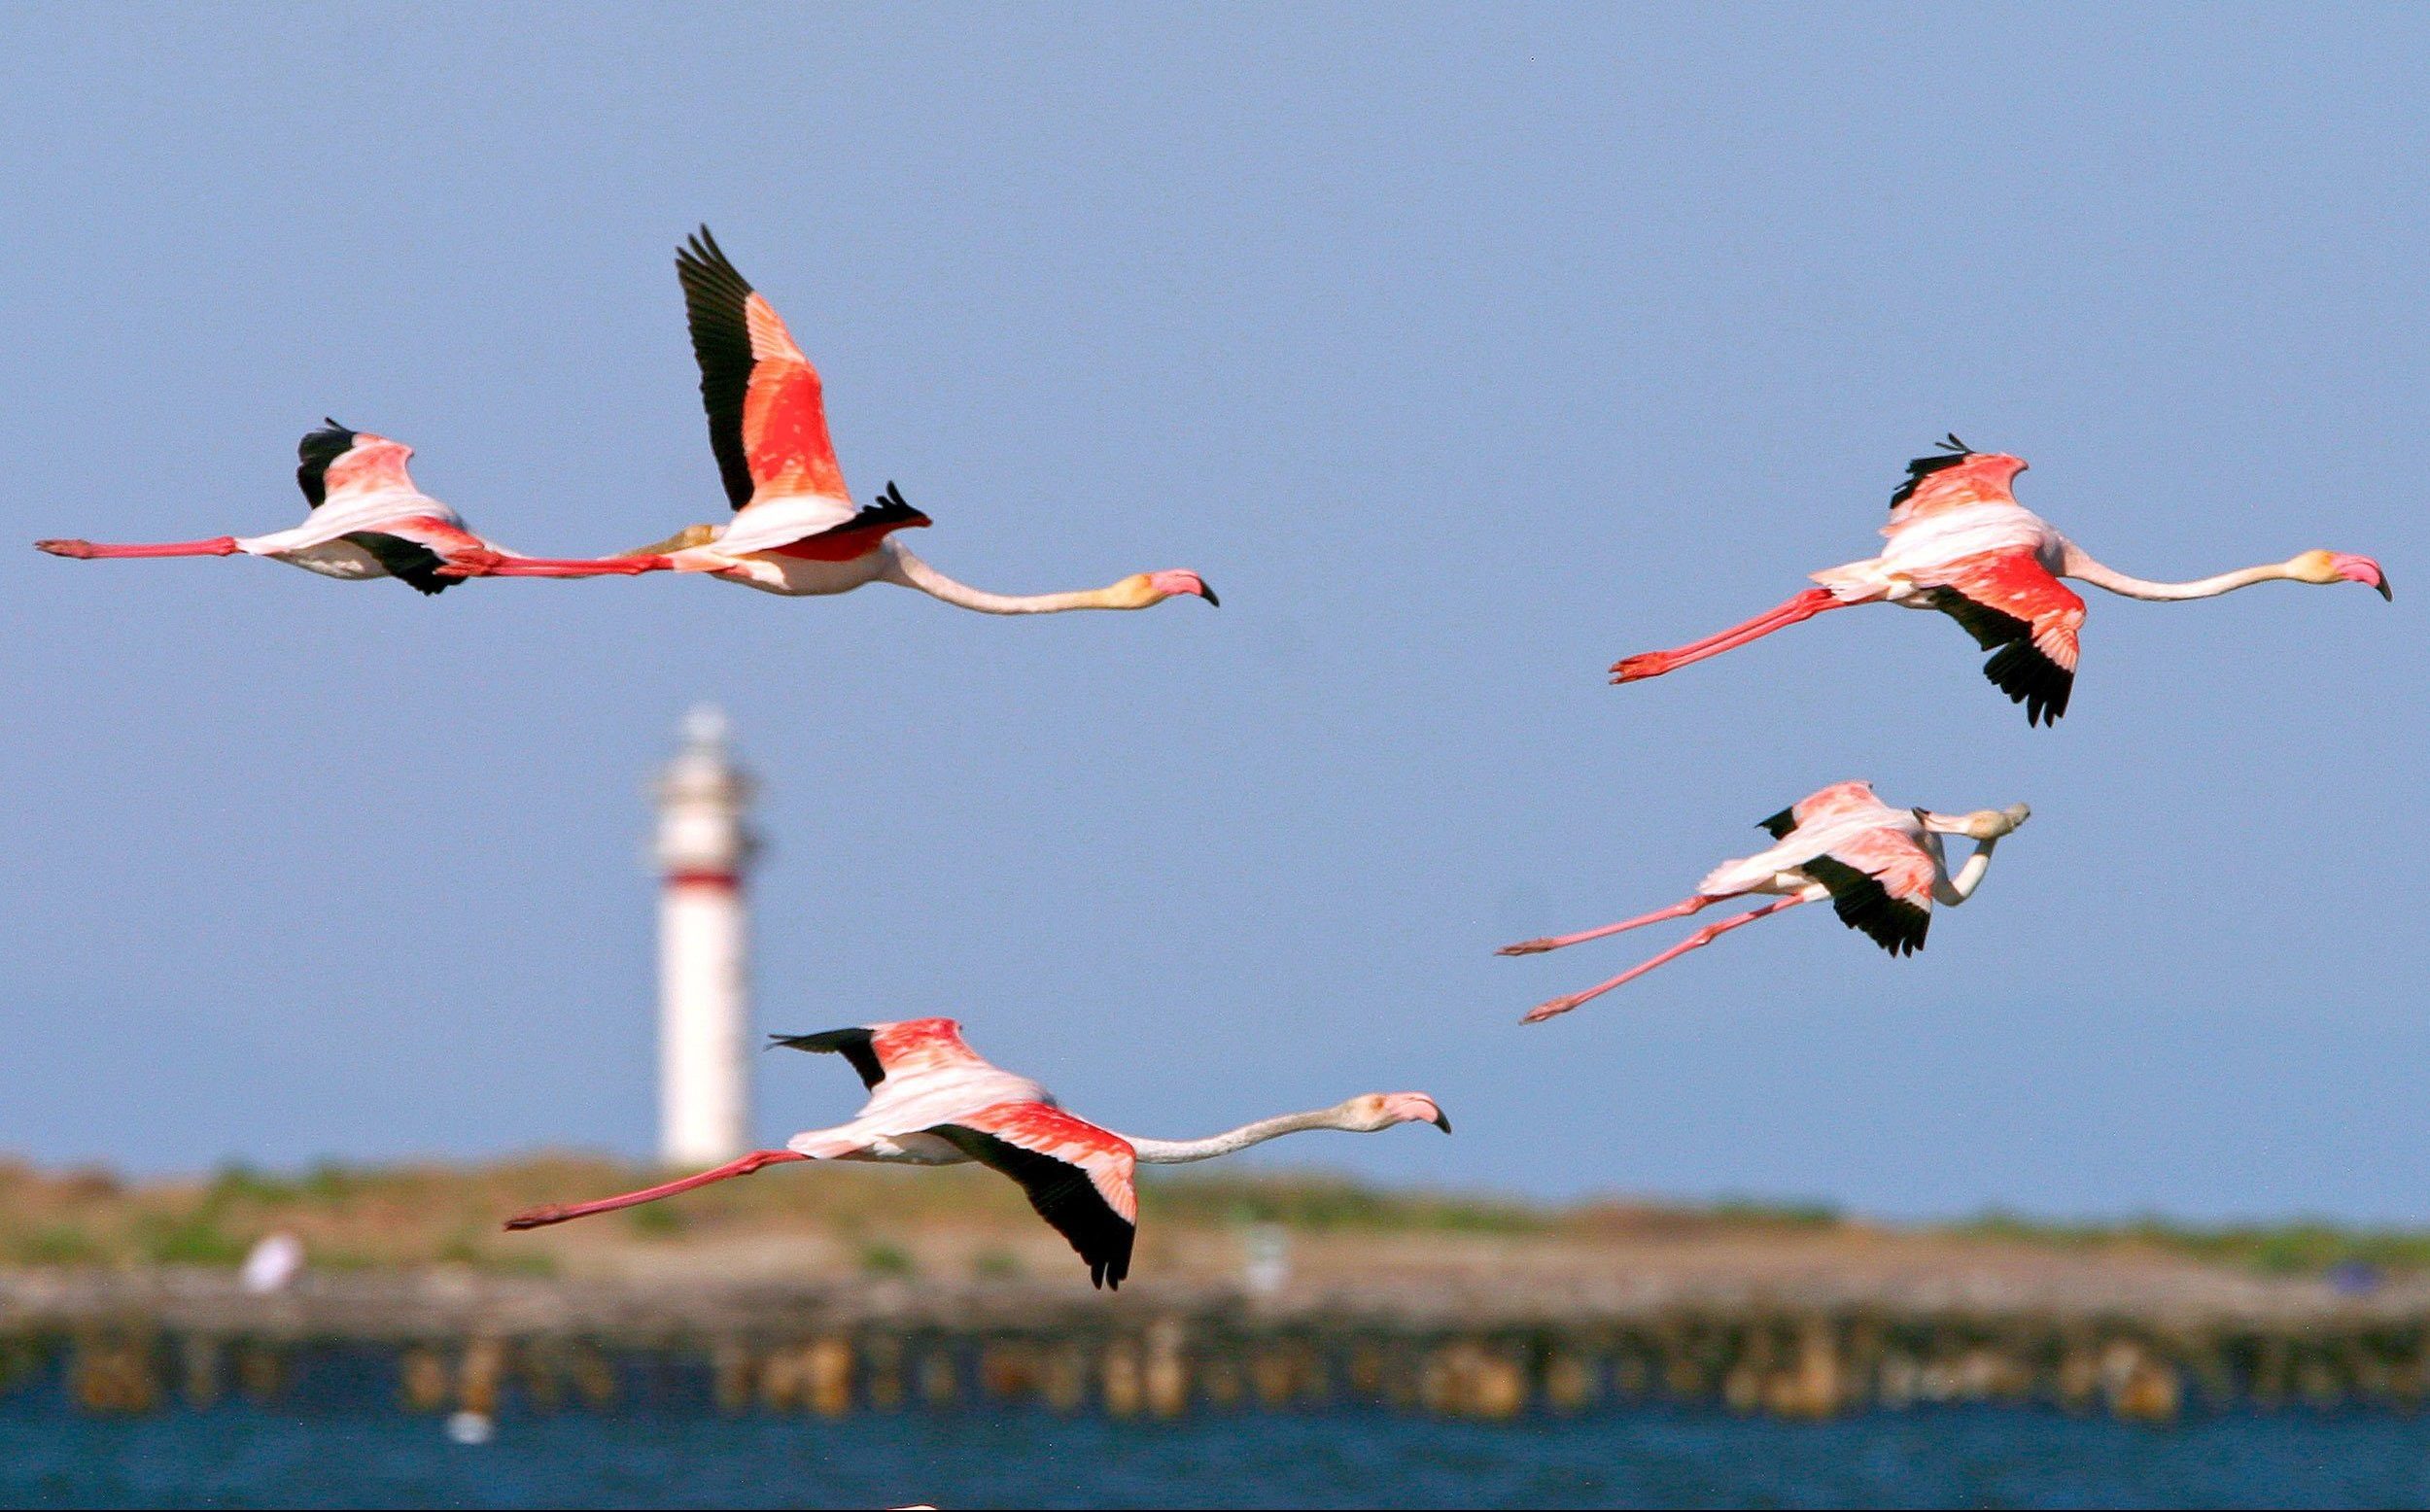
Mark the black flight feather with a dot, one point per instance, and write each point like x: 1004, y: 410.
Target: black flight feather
x: 1780, y: 823
x: 1922, y: 467
x: 1864, y: 905
x: 857, y: 1046
x: 410, y: 563
x: 1063, y: 1194
x: 316, y: 451
x: 2021, y: 670
x: 713, y: 299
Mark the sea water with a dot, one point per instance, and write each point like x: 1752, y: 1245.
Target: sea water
x: 373, y: 1455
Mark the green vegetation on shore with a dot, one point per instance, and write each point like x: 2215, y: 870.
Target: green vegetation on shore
x: 366, y: 1217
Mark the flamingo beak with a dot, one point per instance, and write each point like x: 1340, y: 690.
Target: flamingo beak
x: 1418, y: 1108
x: 1179, y: 581
x: 2362, y: 569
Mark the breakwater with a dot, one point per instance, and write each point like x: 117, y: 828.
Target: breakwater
x: 442, y: 1342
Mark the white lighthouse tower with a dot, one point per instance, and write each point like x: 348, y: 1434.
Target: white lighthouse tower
x: 703, y: 979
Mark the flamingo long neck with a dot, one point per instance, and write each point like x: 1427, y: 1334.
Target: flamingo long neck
x: 2084, y: 568
x: 1180, y: 1151
x: 907, y: 569
x: 1959, y: 888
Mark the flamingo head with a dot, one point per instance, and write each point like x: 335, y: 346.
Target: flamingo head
x: 1143, y: 590
x: 1981, y: 824
x: 1992, y: 823
x: 1374, y: 1111
x: 2339, y: 566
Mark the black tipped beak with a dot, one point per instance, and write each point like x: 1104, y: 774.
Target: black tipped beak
x: 1208, y: 593
x: 2386, y: 592
x: 1443, y: 1120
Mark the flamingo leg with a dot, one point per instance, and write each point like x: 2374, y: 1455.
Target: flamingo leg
x: 1653, y: 663
x: 1556, y: 942
x: 216, y: 546
x: 1695, y: 942
x: 553, y: 566
x: 536, y: 1217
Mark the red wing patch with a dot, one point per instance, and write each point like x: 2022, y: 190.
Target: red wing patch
x: 857, y: 536
x: 920, y: 1045
x: 1937, y: 483
x: 2012, y: 605
x: 1105, y: 1156
x: 1829, y: 803
x: 1903, y: 868
x: 448, y: 540
x: 767, y: 416
x: 785, y: 426
x: 1077, y: 1176
x: 373, y: 464
x: 1839, y: 801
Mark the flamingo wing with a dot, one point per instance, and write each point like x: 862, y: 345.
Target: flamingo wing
x: 1952, y: 479
x: 314, y: 453
x: 1077, y: 1177
x: 2012, y: 606
x: 903, y: 1051
x: 1880, y: 885
x: 768, y: 423
x: 413, y: 549
x: 1839, y: 802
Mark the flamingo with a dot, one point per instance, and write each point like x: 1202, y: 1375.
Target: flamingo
x: 1881, y: 868
x: 796, y: 529
x: 933, y: 1101
x: 1960, y: 543
x: 367, y: 520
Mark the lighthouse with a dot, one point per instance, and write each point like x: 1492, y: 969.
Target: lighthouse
x: 703, y: 979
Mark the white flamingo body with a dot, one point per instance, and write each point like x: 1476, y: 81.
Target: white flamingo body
x: 1919, y: 549
x: 934, y: 1101
x: 318, y: 544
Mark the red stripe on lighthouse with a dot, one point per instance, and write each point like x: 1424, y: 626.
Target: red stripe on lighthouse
x: 706, y: 877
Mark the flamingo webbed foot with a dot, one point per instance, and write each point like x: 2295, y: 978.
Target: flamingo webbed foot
x: 65, y: 548
x: 1638, y: 667
x: 537, y: 1218
x: 1536, y: 946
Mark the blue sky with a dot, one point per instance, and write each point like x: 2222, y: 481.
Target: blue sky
x: 1462, y: 352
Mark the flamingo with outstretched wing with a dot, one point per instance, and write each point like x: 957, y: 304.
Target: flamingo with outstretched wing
x: 934, y: 1101
x: 1960, y: 543
x: 1881, y: 868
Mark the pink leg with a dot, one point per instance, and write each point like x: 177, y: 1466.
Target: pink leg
x: 538, y: 1217
x: 1653, y: 663
x: 1556, y: 942
x: 1697, y: 941
x: 553, y: 566
x: 216, y: 546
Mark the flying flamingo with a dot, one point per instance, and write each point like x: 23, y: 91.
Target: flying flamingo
x: 1881, y: 868
x: 796, y: 529
x: 367, y: 520
x: 1960, y: 543
x: 932, y: 1101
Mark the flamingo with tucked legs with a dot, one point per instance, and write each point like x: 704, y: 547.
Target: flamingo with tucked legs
x: 1960, y: 543
x: 796, y: 529
x: 933, y: 1101
x: 1881, y: 868
x: 367, y: 520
